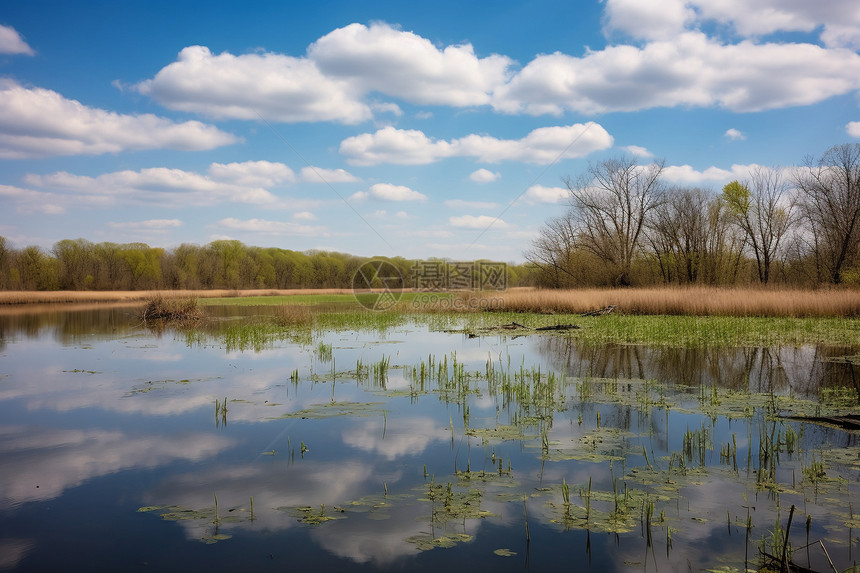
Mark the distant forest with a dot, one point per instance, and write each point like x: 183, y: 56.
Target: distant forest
x: 83, y: 265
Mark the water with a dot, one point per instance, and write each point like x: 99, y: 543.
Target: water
x: 507, y: 453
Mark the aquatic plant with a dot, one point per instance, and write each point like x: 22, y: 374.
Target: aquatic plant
x: 323, y: 352
x: 221, y: 412
x: 181, y: 310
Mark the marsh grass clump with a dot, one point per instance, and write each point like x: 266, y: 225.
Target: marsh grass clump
x: 323, y: 352
x: 159, y: 308
x: 288, y: 315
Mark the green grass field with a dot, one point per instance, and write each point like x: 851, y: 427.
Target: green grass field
x: 342, y: 311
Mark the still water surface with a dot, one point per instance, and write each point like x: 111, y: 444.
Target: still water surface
x: 413, y: 448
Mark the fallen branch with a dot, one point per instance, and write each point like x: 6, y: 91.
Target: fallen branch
x: 847, y: 422
x: 600, y: 311
x: 559, y: 327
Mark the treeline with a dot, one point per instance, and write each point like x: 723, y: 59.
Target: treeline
x: 82, y: 265
x: 625, y: 226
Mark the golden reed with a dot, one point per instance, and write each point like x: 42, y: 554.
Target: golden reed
x: 692, y: 301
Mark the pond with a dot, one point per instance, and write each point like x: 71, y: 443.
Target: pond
x: 411, y: 443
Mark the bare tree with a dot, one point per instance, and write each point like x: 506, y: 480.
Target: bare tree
x: 829, y: 193
x: 552, y: 251
x: 678, y: 234
x: 612, y: 202
x: 765, y: 211
x: 5, y: 257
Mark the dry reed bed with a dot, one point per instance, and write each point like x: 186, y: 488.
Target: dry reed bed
x: 693, y: 301
x: 61, y: 297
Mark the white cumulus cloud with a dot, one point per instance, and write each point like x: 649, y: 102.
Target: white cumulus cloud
x: 853, y: 129
x: 484, y: 176
x: 223, y: 183
x: 11, y: 42
x: 150, y: 225
x: 31, y: 201
x: 352, y: 73
x: 331, y: 82
x: 253, y: 173
x: 412, y: 147
x: 686, y: 174
x: 403, y: 64
x: 37, y: 122
x: 735, y: 134
x: 155, y: 185
x: 389, y: 192
x: 476, y: 222
x: 392, y: 145
x: 647, y: 19
x: 689, y: 69
x: 638, y: 151
x: 541, y: 194
x: 320, y: 175
x: 837, y: 20
x: 274, y: 86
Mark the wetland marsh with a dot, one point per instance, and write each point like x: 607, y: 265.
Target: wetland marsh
x: 343, y: 439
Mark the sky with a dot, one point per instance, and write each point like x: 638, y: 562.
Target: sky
x: 438, y: 129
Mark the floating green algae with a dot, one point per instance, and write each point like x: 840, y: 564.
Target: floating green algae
x: 313, y: 516
x: 336, y: 409
x: 377, y: 507
x: 500, y: 433
x: 619, y: 511
x: 151, y: 385
x: 733, y: 404
x: 452, y: 504
x: 670, y: 481
x: 501, y: 477
x: 598, y: 445
x: 426, y: 542
x: 210, y: 516
x: 504, y: 552
x: 847, y: 457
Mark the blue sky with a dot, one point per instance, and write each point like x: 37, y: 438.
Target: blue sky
x: 440, y: 129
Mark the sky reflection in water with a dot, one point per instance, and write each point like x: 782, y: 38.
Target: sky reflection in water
x: 101, y: 418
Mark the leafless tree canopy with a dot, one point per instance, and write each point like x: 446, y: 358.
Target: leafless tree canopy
x: 829, y: 194
x: 553, y: 250
x: 692, y: 239
x: 624, y: 226
x: 764, y: 210
x: 612, y: 203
